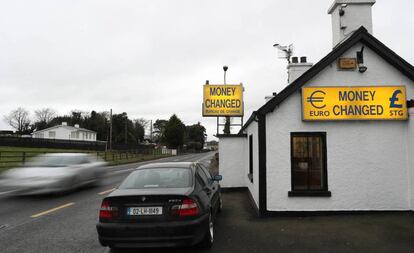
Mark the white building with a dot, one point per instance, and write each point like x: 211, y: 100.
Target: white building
x: 291, y: 164
x: 65, y: 132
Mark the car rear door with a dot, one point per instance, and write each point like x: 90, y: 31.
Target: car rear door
x: 211, y: 187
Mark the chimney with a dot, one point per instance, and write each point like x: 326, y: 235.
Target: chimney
x: 77, y: 125
x: 296, y: 68
x: 64, y: 123
x: 349, y: 15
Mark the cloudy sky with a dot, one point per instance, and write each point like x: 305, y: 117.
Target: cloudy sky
x: 150, y: 58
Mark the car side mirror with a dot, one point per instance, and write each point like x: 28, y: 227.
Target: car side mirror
x: 218, y: 178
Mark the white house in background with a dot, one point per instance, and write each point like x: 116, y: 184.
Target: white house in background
x: 65, y: 132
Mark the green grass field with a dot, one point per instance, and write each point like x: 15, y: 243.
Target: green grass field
x: 13, y: 156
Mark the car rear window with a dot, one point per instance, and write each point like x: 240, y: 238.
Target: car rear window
x: 158, y: 178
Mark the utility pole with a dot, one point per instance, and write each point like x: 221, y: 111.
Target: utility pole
x: 126, y: 130
x: 226, y: 129
x: 151, y: 131
x: 110, y: 130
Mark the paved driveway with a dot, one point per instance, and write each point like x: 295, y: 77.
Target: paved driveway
x: 239, y: 230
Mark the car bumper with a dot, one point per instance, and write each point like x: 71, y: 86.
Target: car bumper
x: 162, y: 234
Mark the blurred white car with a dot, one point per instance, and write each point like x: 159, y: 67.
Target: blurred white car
x: 51, y: 173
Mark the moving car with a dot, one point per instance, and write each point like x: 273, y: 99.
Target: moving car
x: 161, y: 205
x: 57, y: 172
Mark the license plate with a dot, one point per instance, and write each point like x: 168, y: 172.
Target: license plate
x: 149, y: 210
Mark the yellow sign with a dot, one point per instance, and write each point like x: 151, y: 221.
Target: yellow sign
x: 354, y: 103
x: 223, y: 100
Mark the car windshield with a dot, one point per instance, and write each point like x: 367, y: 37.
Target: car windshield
x: 56, y: 160
x: 158, y: 178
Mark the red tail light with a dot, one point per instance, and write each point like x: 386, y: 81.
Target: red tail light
x: 107, y: 211
x: 187, y: 208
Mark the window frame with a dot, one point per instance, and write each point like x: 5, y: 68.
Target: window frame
x: 206, y: 172
x: 200, y: 172
x: 324, y: 192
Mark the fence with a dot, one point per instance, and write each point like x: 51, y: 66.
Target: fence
x: 10, y: 159
x: 51, y: 143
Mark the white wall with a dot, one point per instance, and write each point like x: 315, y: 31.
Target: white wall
x: 410, y: 157
x: 60, y: 133
x: 64, y: 133
x: 366, y: 160
x: 232, y: 164
x: 253, y: 187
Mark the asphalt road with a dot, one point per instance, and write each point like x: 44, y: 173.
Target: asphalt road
x: 63, y: 223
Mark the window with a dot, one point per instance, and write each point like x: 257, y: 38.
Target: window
x: 52, y: 134
x: 206, y: 171
x: 250, y: 175
x: 158, y: 178
x: 308, y: 162
x: 203, y: 176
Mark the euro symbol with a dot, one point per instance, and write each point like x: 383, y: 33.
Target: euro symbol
x: 394, y: 99
x: 314, y: 99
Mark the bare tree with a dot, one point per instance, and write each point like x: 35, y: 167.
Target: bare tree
x: 45, y: 115
x: 146, y: 125
x: 143, y: 122
x: 18, y: 119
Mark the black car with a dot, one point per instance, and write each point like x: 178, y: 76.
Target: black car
x: 161, y: 205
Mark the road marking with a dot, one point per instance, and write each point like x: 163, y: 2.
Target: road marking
x: 107, y: 191
x: 52, y: 210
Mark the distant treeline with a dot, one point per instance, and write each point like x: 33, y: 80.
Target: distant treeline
x: 172, y: 132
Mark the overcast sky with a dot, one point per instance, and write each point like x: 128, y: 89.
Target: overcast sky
x: 150, y: 58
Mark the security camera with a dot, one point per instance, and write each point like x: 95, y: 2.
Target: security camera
x: 225, y: 68
x: 341, y: 10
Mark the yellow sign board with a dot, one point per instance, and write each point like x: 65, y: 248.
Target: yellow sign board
x: 223, y: 100
x: 354, y: 103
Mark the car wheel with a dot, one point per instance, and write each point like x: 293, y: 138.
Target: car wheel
x: 208, y: 239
